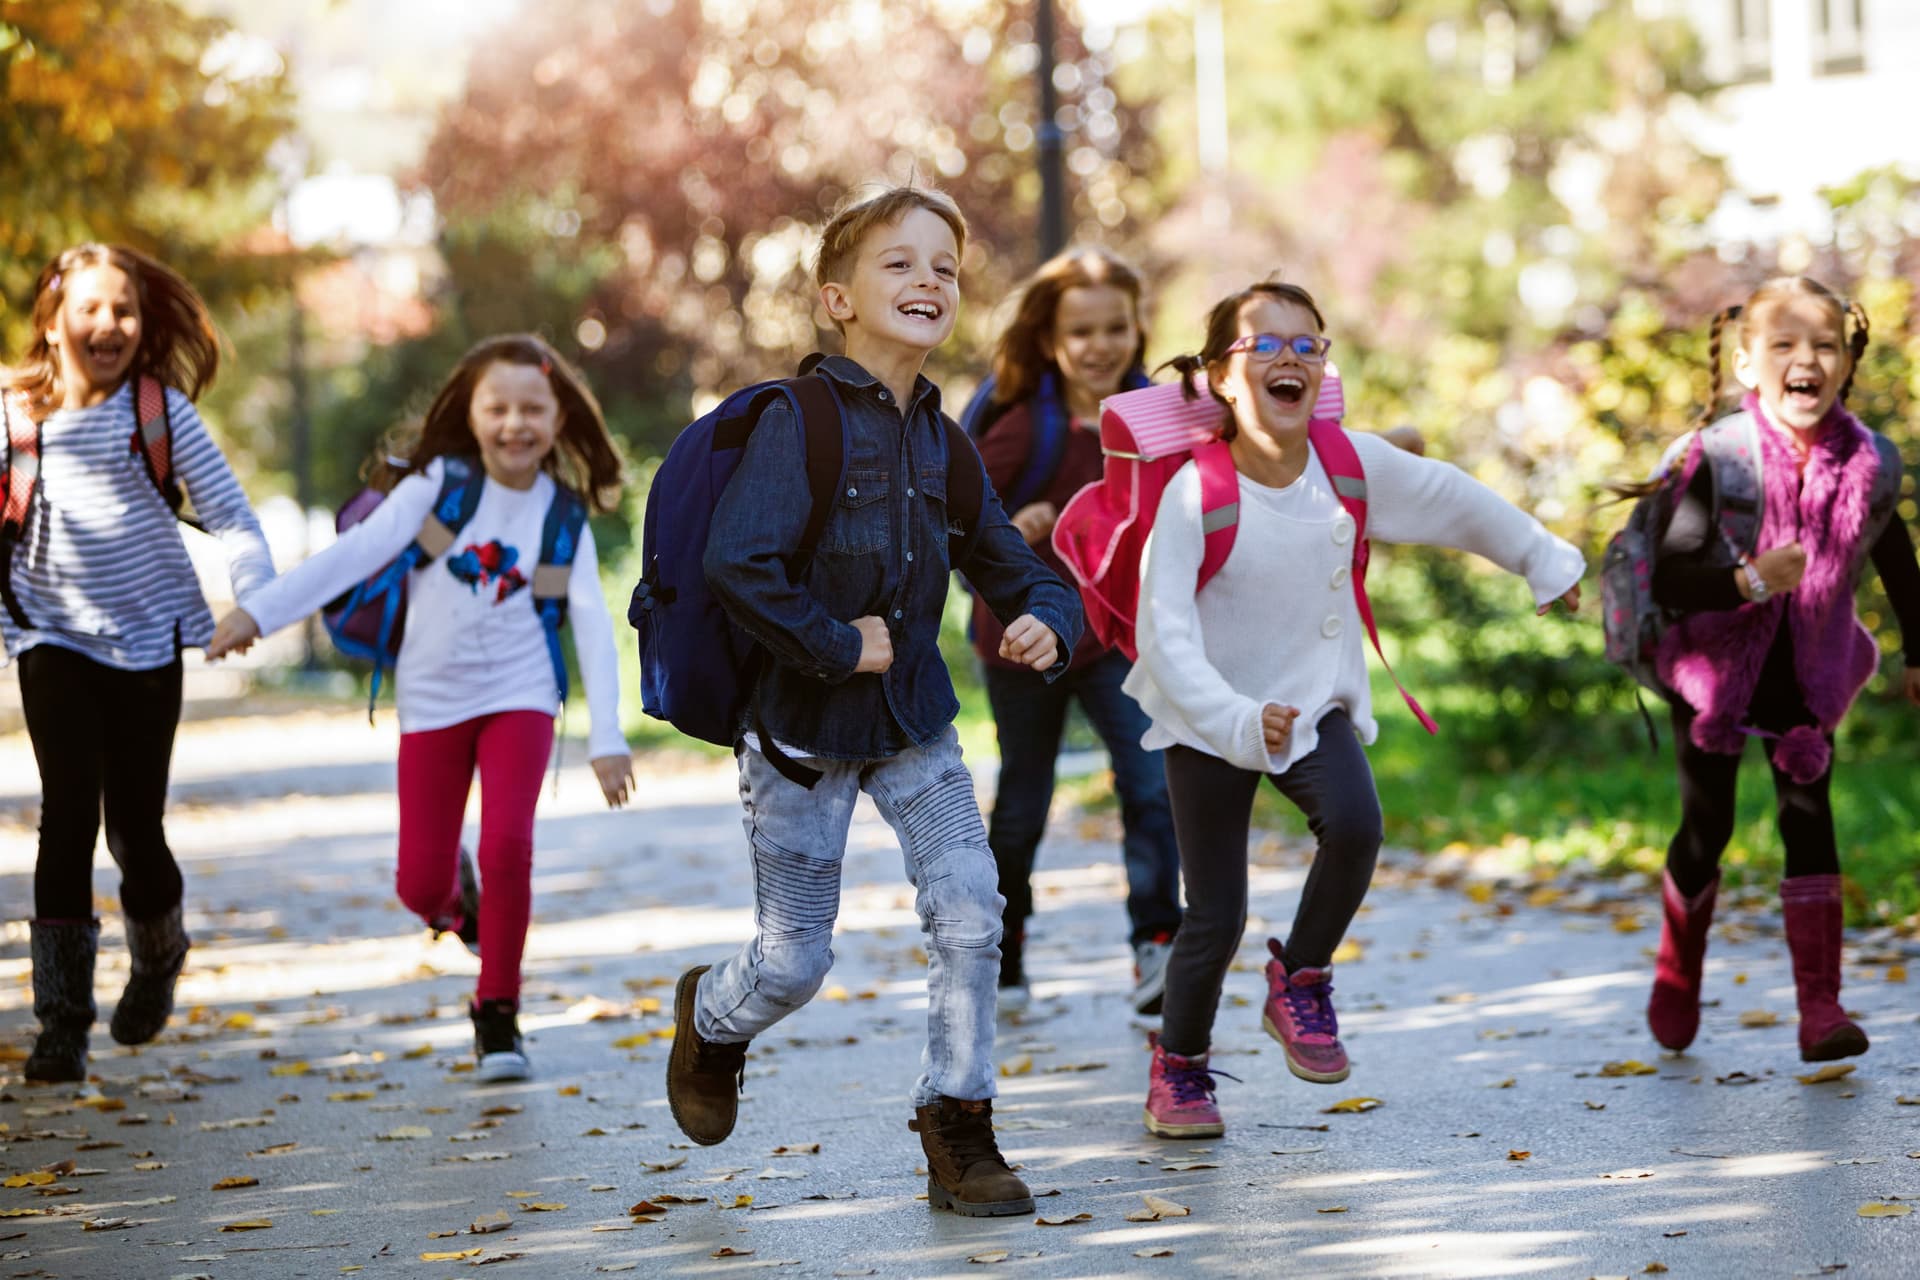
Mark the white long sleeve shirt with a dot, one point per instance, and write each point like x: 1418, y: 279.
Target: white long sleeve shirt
x: 473, y: 645
x: 100, y: 568
x: 1278, y: 623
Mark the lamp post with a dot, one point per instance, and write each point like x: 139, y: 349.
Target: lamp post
x: 1053, y: 209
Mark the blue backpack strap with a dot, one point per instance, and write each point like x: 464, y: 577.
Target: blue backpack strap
x: 981, y: 411
x: 1048, y: 445
x: 559, y: 543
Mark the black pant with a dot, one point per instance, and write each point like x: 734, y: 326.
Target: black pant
x: 1707, y: 781
x: 101, y: 734
x: 1029, y: 715
x: 1212, y: 809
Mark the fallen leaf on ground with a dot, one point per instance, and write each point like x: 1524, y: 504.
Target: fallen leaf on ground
x: 1736, y: 1078
x: 498, y: 1220
x: 728, y: 1251
x: 1161, y: 1252
x: 107, y: 1224
x: 23, y: 1213
x: 568, y: 1091
x: 739, y: 1202
x: 1653, y: 1269
x: 1759, y: 1018
x: 405, y: 1133
x: 419, y: 1051
x: 1063, y: 1222
x: 1627, y: 1174
x: 616, y: 1266
x: 248, y: 1224
x: 453, y: 1256
x: 543, y: 1206
x: 1880, y: 1209
x: 1338, y: 1208
x: 278, y: 1148
x: 1628, y: 1067
x: 1508, y: 1083
x: 351, y: 1095
x: 1187, y: 1166
x: 663, y: 1166
x: 1832, y: 1071
x: 991, y: 1255
x: 1519, y: 1155
x: 28, y: 1180
x: 1166, y: 1208
x: 798, y: 1149
x: 1019, y: 1066
x: 1596, y: 1106
x: 235, y: 1183
x: 1351, y: 1106
x: 504, y: 1109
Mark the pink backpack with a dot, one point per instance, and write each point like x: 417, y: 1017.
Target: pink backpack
x: 1147, y: 435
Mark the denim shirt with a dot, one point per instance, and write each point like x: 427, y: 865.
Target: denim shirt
x: 884, y: 553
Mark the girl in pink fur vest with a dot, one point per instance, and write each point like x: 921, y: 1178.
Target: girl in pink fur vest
x: 1769, y: 646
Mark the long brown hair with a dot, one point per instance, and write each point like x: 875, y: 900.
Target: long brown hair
x: 1223, y: 328
x: 1021, y: 359
x: 583, y: 457
x: 1772, y: 290
x: 178, y: 343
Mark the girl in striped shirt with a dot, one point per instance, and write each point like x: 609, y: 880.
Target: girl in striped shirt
x: 100, y: 599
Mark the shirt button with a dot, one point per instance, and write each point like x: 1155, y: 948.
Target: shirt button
x: 853, y: 493
x: 1332, y: 626
x: 886, y: 398
x: 1340, y: 577
x: 1342, y: 531
x: 897, y: 615
x: 909, y: 491
x: 909, y: 557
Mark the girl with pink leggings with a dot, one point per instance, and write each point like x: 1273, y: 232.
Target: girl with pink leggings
x: 513, y: 444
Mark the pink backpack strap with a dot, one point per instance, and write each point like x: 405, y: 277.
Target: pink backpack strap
x: 1219, y: 505
x: 1342, y: 464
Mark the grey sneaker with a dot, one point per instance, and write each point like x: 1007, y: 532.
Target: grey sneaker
x: 1150, y: 973
x: 499, y: 1052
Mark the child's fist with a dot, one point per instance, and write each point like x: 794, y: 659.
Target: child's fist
x: 234, y: 633
x: 1031, y: 643
x: 1276, y: 726
x: 876, y: 646
x: 616, y: 778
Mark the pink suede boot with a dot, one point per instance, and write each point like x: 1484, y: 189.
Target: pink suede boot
x: 1813, y: 912
x: 1180, y: 1096
x: 1673, y: 1012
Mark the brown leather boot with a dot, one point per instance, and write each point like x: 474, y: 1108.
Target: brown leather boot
x: 704, y: 1079
x: 965, y: 1173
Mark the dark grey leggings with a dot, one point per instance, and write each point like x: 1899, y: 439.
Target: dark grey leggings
x: 1212, y: 809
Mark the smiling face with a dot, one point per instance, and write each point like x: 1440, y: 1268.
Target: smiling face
x: 96, y: 331
x: 515, y: 419
x: 1793, y: 352
x: 1095, y: 338
x: 1273, y: 395
x: 903, y: 290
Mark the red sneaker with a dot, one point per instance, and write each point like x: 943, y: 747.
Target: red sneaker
x: 1180, y: 1097
x: 1299, y: 1014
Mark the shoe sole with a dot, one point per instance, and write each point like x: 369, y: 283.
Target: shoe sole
x: 499, y: 1068
x: 1305, y: 1073
x: 938, y: 1197
x: 683, y: 1036
x: 1161, y: 1129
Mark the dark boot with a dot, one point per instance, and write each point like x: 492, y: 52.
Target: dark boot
x: 1673, y: 1012
x: 158, y: 949
x: 63, y: 954
x: 1814, y: 917
x: 964, y: 1170
x: 704, y: 1078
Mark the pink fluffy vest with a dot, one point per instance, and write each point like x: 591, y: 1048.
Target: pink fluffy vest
x: 1713, y: 659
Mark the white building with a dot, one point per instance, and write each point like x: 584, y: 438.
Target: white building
x: 1817, y: 92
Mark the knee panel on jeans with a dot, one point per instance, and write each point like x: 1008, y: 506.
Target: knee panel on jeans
x: 797, y: 901
x: 959, y: 902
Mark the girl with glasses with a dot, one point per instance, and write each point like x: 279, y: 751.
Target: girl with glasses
x: 1262, y: 674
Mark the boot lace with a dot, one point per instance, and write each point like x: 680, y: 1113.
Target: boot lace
x: 968, y: 1136
x: 1311, y: 1007
x: 1195, y: 1083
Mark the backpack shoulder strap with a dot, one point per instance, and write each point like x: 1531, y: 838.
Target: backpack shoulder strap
x: 553, y: 573
x: 461, y: 482
x: 1731, y: 448
x: 824, y: 428
x: 1885, y: 492
x: 966, y: 490
x: 22, y: 464
x: 1219, y: 505
x: 1341, y: 462
x: 1046, y: 445
x: 153, y: 438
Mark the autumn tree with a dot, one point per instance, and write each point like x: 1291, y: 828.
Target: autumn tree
x: 133, y: 121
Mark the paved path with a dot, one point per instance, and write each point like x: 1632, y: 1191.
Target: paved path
x: 322, y: 1036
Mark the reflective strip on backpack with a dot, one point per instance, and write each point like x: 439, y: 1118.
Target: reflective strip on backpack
x: 23, y: 462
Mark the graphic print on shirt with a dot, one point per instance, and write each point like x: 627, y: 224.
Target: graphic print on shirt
x: 490, y: 564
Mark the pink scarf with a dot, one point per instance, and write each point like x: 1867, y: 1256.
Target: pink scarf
x: 1713, y: 659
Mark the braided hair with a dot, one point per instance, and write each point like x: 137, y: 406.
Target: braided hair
x: 1223, y: 328
x: 1773, y: 290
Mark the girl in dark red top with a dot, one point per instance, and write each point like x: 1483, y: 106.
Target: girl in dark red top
x: 1075, y: 339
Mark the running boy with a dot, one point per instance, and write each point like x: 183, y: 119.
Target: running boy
x: 856, y: 689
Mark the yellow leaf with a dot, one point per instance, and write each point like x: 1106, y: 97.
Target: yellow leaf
x: 1739, y: 979
x: 634, y: 1042
x: 1480, y: 891
x: 569, y: 1091
x: 1063, y: 1221
x: 1759, y: 1018
x: 290, y: 1069
x: 351, y: 1095
x: 1627, y: 924
x: 1519, y: 1155
x: 249, y: 1224
x: 1896, y: 973
x: 486, y: 1223
x: 1019, y: 1066
x: 1508, y: 1083
x: 1166, y: 1208
x: 419, y: 1051
x: 235, y: 1183
x: 237, y: 1022
x: 739, y: 1202
x: 104, y: 1104
x: 1653, y: 1269
x: 1338, y: 1208
x: 28, y: 1180
x: 1880, y: 1209
x: 453, y: 1256
x: 543, y: 1206
x: 836, y: 992
x: 1349, y: 952
x: 23, y: 1213
x: 1904, y: 1100
x: 1832, y: 1071
x: 1545, y: 896
x: 1351, y: 1106
x: 1629, y: 1067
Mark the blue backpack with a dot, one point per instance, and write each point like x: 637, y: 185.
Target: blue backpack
x: 369, y: 622
x: 698, y: 668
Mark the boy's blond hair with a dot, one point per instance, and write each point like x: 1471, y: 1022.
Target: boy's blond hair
x: 861, y: 213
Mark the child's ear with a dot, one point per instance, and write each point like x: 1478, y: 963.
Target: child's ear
x: 838, y: 303
x: 1743, y: 370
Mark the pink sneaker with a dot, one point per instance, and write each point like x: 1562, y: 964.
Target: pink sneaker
x: 1180, y: 1097
x: 1299, y: 1014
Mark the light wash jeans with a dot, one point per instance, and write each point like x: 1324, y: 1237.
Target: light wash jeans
x: 797, y: 840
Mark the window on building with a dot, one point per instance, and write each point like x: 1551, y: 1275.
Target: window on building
x: 1752, y: 40
x: 1839, y: 29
